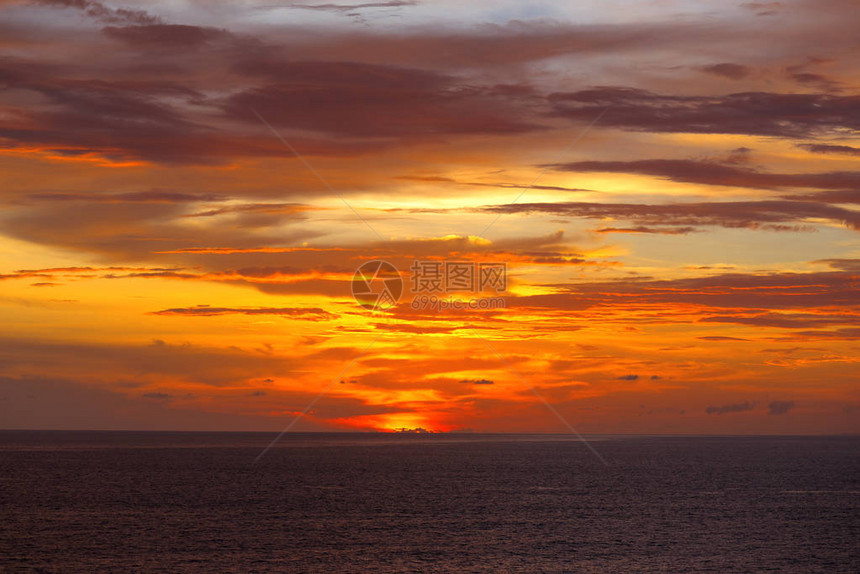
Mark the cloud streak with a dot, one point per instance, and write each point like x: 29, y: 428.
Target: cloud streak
x: 775, y: 215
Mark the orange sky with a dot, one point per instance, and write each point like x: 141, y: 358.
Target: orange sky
x: 690, y: 263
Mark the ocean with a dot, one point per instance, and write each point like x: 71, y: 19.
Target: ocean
x: 197, y: 502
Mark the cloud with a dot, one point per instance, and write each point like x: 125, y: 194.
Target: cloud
x: 180, y: 94
x: 42, y: 402
x: 830, y: 149
x: 476, y: 382
x: 764, y: 8
x: 94, y: 272
x: 851, y: 265
x: 499, y: 185
x: 780, y: 407
x: 750, y: 113
x: 836, y: 196
x: 165, y: 36
x: 646, y: 229
x: 111, y: 120
x: 732, y: 408
x: 147, y: 224
x: 152, y: 196
x: 409, y: 328
x: 103, y: 13
x: 346, y: 8
x: 153, y: 363
x: 844, y: 333
x: 63, y: 403
x: 358, y: 100
x: 728, y: 70
x: 309, y: 313
x: 733, y: 291
x: 714, y: 173
x: 776, y: 215
x: 628, y: 377
x: 817, y: 80
x: 785, y: 320
x: 256, y: 208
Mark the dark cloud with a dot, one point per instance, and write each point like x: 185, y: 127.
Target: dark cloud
x: 727, y: 70
x: 310, y: 313
x: 152, y: 196
x: 780, y: 407
x: 739, y: 155
x: 182, y: 94
x: 776, y: 215
x: 152, y: 275
x: 373, y: 101
x: 150, y: 118
x: 120, y: 120
x: 154, y: 362
x: 409, y: 328
x: 43, y: 402
x: 646, y: 229
x: 843, y: 333
x: 166, y: 37
x: 836, y: 196
x: 476, y: 382
x: 510, y: 45
x: 732, y: 408
x: 499, y: 185
x: 752, y: 113
x: 735, y: 291
x: 713, y: 173
x: 103, y: 13
x: 852, y: 265
x: 136, y: 229
x: 628, y: 377
x: 785, y: 320
x: 764, y: 8
x: 830, y: 149
x: 61, y: 403
x: 255, y: 208
x: 721, y: 338
x: 346, y: 8
x: 93, y: 272
x: 817, y: 80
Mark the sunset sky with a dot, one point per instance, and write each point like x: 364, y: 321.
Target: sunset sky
x: 673, y: 186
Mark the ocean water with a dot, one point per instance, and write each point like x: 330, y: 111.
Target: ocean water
x: 196, y: 502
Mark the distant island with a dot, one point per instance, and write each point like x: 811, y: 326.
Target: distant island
x: 416, y: 430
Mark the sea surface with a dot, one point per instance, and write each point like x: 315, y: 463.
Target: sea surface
x: 197, y: 502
